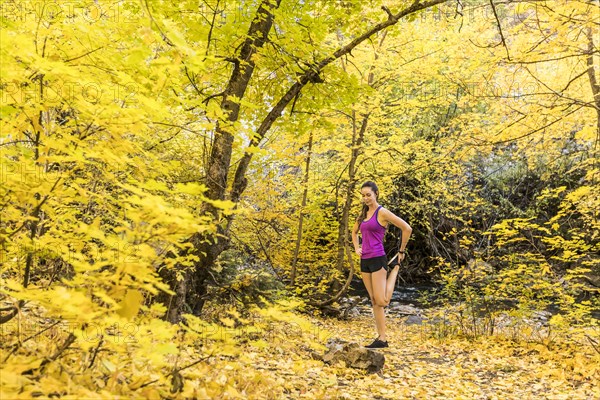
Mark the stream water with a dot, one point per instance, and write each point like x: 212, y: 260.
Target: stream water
x: 414, y: 295
x: 403, y: 294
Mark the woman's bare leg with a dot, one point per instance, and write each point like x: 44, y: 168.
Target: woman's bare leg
x: 379, y: 283
x: 380, y: 288
x: 366, y: 277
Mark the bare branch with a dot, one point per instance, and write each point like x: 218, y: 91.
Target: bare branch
x: 83, y: 55
x: 536, y: 130
x: 162, y: 34
x: 503, y: 40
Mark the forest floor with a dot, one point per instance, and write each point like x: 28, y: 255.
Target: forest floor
x: 418, y: 366
x: 276, y: 354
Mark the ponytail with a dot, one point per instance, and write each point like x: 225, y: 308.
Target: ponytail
x: 363, y: 214
x: 365, y: 208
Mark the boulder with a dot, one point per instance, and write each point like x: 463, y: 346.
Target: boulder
x: 353, y: 355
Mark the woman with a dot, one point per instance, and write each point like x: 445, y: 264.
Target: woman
x: 372, y: 224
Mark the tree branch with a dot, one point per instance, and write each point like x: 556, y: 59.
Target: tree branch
x: 162, y: 34
x: 503, y: 41
x: 68, y: 342
x: 538, y: 129
x: 239, y: 184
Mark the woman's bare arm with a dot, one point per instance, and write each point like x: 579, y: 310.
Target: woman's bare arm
x: 391, y: 218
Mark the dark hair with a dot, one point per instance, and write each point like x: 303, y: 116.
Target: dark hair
x: 365, y: 208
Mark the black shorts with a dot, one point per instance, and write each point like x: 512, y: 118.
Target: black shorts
x: 374, y: 264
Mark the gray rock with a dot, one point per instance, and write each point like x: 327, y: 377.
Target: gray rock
x: 414, y: 320
x: 354, y: 356
x: 404, y: 309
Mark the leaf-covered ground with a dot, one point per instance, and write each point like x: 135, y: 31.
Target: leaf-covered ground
x: 274, y: 354
x: 419, y: 367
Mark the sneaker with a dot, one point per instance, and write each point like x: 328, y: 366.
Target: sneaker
x: 377, y: 344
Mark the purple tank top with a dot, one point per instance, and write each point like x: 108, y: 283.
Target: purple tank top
x: 372, y: 237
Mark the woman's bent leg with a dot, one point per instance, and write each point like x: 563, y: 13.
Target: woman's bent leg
x: 391, y: 283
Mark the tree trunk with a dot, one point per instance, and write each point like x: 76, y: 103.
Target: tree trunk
x: 356, y: 146
x: 344, y: 227
x: 205, y: 248
x: 593, y: 81
x: 357, y: 141
x: 302, y: 207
